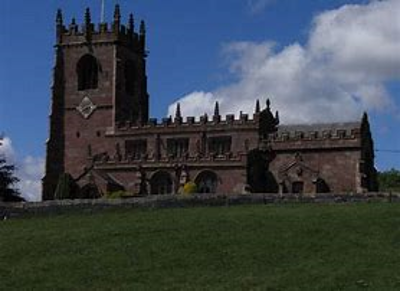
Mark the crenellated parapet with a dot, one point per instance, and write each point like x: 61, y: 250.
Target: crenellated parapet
x: 317, y: 136
x: 190, y: 123
x: 73, y: 34
x: 216, y: 122
x: 149, y: 160
x: 331, y: 131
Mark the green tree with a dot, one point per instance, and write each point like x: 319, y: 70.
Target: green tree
x: 389, y: 180
x: 8, y: 192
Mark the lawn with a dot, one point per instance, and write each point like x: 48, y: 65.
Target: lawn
x: 274, y: 247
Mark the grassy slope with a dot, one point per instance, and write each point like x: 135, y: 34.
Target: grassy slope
x: 278, y: 247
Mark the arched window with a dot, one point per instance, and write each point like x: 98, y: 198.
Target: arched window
x: 207, y: 182
x: 87, y: 70
x: 130, y: 77
x: 161, y: 183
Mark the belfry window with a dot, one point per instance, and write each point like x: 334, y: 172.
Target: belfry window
x: 130, y: 77
x: 87, y: 70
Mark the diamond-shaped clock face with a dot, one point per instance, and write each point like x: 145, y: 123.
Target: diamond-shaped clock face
x: 86, y: 108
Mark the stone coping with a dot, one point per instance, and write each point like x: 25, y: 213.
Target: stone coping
x: 54, y: 207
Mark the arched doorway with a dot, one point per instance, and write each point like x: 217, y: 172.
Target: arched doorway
x: 161, y: 183
x: 207, y: 182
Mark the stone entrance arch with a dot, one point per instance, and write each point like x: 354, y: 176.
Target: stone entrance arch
x: 207, y: 182
x: 161, y: 183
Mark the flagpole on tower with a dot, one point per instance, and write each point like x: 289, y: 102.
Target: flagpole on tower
x: 102, y: 16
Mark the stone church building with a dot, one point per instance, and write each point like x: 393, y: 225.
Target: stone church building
x: 101, y: 133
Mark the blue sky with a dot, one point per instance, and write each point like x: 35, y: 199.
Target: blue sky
x: 202, y: 51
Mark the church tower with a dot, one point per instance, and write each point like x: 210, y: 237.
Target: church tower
x: 99, y: 81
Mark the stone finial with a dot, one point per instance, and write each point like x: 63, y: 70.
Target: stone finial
x: 59, y: 18
x: 142, y: 28
x: 277, y: 117
x: 268, y: 122
x: 142, y: 37
x: 364, y: 117
x: 60, y: 26
x: 258, y: 106
x: 178, y: 114
x: 73, y: 28
x: 117, y: 14
x: 131, y: 24
x: 216, y: 109
x: 88, y: 20
x: 365, y: 127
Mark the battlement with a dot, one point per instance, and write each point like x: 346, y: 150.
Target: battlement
x: 242, y: 121
x: 210, y: 159
x: 318, y: 132
x: 88, y: 32
x: 191, y: 123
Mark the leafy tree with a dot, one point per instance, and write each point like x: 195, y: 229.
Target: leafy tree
x: 8, y: 192
x: 389, y: 180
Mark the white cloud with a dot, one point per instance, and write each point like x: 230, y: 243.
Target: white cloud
x: 7, y: 150
x: 29, y: 170
x: 342, y: 70
x: 258, y: 6
x: 194, y: 103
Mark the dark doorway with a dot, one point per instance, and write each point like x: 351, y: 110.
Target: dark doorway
x: 161, y: 183
x: 207, y: 182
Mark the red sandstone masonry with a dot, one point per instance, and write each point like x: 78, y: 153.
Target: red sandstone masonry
x: 93, y: 147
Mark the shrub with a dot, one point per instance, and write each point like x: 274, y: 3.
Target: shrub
x: 189, y: 188
x: 117, y: 195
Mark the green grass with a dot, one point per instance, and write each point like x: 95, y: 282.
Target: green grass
x: 275, y: 247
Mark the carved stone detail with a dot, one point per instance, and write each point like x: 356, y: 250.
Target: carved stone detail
x: 86, y: 107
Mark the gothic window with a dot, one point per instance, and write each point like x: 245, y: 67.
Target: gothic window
x: 220, y: 145
x: 207, y: 182
x: 87, y: 70
x: 161, y: 183
x: 135, y: 149
x: 177, y: 148
x: 130, y: 77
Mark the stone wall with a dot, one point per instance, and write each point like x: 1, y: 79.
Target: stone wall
x: 56, y: 207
